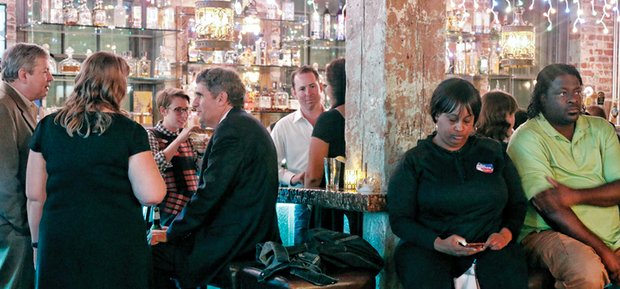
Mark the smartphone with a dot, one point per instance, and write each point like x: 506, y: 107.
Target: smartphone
x: 475, y: 245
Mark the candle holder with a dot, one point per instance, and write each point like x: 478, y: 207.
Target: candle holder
x: 350, y: 179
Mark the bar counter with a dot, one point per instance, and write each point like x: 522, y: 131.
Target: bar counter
x: 377, y: 229
x: 345, y: 200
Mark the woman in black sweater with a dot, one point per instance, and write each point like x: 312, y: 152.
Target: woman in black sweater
x: 454, y: 189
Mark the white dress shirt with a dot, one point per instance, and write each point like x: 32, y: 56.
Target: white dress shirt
x: 291, y: 135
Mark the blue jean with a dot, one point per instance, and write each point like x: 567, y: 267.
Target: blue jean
x: 302, y: 223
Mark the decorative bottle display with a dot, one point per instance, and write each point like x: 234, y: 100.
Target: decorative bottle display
x: 315, y: 25
x: 288, y: 10
x: 340, y: 24
x: 70, y: 13
x: 69, y: 65
x: 152, y: 15
x: 120, y: 15
x: 44, y: 11
x: 99, y: 14
x: 144, y: 66
x: 166, y: 15
x: 85, y: 17
x: 162, y: 65
x: 327, y: 22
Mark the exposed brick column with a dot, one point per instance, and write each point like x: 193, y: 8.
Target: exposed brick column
x: 395, y: 59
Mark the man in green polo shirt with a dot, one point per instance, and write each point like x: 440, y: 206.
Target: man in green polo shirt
x: 570, y: 169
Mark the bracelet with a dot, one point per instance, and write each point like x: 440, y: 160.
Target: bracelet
x: 35, y: 245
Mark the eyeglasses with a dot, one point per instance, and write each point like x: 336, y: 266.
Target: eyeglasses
x: 182, y: 110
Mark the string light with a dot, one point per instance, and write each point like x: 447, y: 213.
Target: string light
x: 508, y: 7
x: 579, y: 19
x: 593, y: 11
x: 567, y: 9
x: 532, y: 5
x: 548, y: 15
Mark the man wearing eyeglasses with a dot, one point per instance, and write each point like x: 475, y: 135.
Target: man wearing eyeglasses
x: 174, y: 154
x: 569, y: 167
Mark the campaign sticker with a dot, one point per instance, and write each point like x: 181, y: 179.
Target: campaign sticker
x: 485, y: 168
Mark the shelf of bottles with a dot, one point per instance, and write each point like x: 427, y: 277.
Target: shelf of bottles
x: 142, y: 31
x: 271, y: 40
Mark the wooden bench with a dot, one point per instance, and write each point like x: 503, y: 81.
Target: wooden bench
x: 246, y: 278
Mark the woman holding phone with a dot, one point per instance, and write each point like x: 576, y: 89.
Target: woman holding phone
x: 456, y: 198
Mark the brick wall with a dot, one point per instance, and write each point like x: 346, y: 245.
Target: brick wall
x: 594, y: 58
x: 11, y: 23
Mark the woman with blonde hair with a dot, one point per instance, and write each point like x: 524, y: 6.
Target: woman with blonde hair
x: 89, y: 171
x: 497, y: 116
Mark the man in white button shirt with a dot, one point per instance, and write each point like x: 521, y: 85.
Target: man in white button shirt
x: 292, y: 134
x: 25, y: 78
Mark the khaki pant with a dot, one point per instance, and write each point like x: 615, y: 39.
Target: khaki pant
x: 572, y: 263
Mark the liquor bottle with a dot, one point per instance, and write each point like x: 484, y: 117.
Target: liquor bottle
x: 478, y: 21
x: 466, y: 24
x: 56, y: 11
x: 44, y: 11
x: 136, y: 14
x: 340, y: 24
x: 486, y: 23
x: 144, y: 66
x: 281, y: 98
x: 69, y: 65
x: 100, y: 17
x: 483, y: 65
x: 327, y: 22
x: 132, y: 62
x: 51, y: 62
x: 152, y: 15
x: 166, y: 15
x: 315, y: 25
x: 85, y: 17
x: 156, y: 219
x: 162, y: 65
x: 272, y: 10
x: 259, y: 51
x: 288, y: 10
x: 120, y: 16
x: 600, y: 99
x: 493, y: 62
x: 70, y: 13
x: 473, y: 58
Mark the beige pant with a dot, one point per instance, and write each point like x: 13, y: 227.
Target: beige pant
x: 572, y: 263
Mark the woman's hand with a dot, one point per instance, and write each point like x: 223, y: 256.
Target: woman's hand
x: 455, y: 246
x: 498, y: 241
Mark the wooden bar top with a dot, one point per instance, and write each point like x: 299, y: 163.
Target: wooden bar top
x: 345, y: 200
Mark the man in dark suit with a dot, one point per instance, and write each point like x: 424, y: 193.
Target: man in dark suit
x: 25, y: 77
x: 234, y: 207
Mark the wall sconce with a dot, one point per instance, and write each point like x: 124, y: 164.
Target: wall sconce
x: 350, y: 180
x: 214, y: 24
x: 517, y: 42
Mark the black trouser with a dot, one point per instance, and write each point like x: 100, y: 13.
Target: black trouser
x: 422, y: 268
x: 163, y: 266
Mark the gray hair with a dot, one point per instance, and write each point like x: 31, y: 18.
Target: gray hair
x: 21, y: 55
x: 220, y: 79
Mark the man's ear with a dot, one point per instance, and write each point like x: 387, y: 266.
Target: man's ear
x: 222, y: 98
x: 21, y: 74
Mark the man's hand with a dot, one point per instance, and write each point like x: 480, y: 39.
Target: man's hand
x: 298, y: 178
x: 611, y: 261
x: 455, y: 245
x: 566, y: 196
x: 157, y: 236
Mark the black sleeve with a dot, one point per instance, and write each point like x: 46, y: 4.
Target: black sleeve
x: 323, y: 129
x: 402, y: 205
